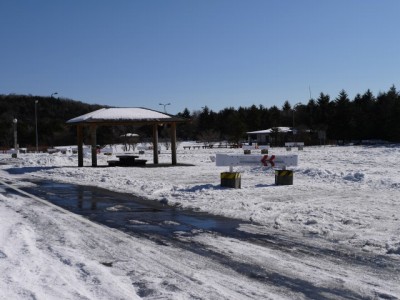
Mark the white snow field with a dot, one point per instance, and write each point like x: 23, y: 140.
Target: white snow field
x: 345, y: 199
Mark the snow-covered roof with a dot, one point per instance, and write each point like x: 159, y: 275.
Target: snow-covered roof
x: 266, y: 131
x: 129, y: 135
x: 133, y: 114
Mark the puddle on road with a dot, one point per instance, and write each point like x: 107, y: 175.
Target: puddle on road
x: 127, y: 212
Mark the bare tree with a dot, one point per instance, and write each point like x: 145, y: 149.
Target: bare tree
x: 209, y: 137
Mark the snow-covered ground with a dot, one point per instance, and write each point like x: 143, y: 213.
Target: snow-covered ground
x: 347, y: 197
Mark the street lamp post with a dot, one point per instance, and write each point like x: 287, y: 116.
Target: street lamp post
x: 51, y: 96
x: 36, y: 127
x: 165, y: 104
x: 15, y: 137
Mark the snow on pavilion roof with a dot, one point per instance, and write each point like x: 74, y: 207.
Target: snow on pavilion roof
x: 265, y: 131
x: 134, y: 114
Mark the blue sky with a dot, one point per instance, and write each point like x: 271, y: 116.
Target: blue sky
x: 215, y: 53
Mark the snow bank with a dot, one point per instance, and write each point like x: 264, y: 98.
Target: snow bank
x: 347, y: 195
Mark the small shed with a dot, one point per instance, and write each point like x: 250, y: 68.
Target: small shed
x: 263, y: 136
x: 124, y: 116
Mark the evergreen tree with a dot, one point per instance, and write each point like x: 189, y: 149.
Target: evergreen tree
x: 388, y: 111
x: 275, y: 116
x: 324, y: 113
x: 364, y: 117
x: 287, y: 115
x: 343, y: 127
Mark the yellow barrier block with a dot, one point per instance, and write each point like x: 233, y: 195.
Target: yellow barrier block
x: 231, y: 179
x: 283, y: 177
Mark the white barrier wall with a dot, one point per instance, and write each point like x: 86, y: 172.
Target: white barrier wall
x: 254, y: 147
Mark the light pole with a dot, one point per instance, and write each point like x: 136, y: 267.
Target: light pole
x: 15, y: 137
x: 37, y: 138
x: 165, y: 104
x: 51, y: 96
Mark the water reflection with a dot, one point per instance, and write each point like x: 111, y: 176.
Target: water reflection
x: 128, y: 212
x: 82, y: 193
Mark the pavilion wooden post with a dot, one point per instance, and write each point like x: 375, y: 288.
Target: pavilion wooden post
x: 94, y: 145
x: 173, y: 143
x: 80, y: 145
x: 155, y: 143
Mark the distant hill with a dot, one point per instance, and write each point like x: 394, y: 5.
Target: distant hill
x: 335, y: 121
x: 52, y: 113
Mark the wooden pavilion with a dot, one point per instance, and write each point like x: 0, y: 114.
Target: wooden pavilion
x: 124, y: 117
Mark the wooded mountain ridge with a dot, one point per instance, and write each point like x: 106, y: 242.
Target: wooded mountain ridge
x: 362, y: 118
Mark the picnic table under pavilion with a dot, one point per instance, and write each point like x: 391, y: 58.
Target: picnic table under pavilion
x: 126, y: 117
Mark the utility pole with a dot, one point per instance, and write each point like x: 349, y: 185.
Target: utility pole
x: 36, y: 127
x: 15, y: 121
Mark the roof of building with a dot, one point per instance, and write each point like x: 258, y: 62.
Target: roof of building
x: 267, y: 131
x: 125, y: 115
